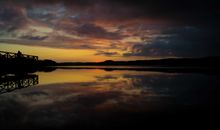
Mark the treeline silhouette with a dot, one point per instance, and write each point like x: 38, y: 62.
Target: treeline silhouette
x: 18, y: 62
x: 169, y: 62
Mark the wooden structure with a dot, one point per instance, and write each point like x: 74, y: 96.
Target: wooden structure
x: 11, y: 55
x: 10, y: 83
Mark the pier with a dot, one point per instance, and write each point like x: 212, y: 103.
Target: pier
x: 10, y: 56
x: 11, y: 83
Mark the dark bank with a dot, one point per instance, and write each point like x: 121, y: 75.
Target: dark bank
x: 45, y: 94
x: 10, y: 61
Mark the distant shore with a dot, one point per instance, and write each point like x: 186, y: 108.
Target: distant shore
x: 169, y: 62
x: 170, y: 65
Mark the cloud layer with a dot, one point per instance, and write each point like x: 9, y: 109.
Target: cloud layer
x: 133, y: 28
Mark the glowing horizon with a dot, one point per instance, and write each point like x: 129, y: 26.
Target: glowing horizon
x: 60, y: 55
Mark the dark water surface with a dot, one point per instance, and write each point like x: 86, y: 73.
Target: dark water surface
x: 95, y: 97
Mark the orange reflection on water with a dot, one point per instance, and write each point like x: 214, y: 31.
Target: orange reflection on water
x: 75, y: 95
x: 85, y: 75
x: 67, y: 76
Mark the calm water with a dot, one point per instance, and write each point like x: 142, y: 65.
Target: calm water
x: 95, y: 97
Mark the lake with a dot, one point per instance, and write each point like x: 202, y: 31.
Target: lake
x: 97, y: 97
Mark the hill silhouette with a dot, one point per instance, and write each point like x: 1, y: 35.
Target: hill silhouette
x: 169, y: 62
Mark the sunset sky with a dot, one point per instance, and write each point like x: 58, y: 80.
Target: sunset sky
x: 97, y: 30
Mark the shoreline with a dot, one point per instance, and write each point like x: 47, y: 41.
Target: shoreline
x: 164, y: 69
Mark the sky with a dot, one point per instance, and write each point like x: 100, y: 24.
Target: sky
x: 98, y: 30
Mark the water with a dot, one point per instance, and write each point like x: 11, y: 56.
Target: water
x: 96, y: 97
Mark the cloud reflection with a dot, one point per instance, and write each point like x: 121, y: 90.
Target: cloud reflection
x: 111, y: 95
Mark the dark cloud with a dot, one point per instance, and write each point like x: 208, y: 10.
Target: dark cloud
x: 184, y: 11
x: 94, y: 31
x: 180, y: 42
x: 104, y: 53
x: 34, y: 38
x: 181, y: 12
x: 187, y: 11
x: 11, y: 18
x: 49, y: 14
x: 87, y: 46
x: 78, y: 21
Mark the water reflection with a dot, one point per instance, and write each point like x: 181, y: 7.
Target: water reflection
x: 97, y: 97
x: 9, y: 83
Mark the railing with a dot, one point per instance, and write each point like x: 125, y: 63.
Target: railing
x: 10, y: 83
x: 11, y: 55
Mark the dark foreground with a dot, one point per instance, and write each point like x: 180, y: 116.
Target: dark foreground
x: 95, y: 97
